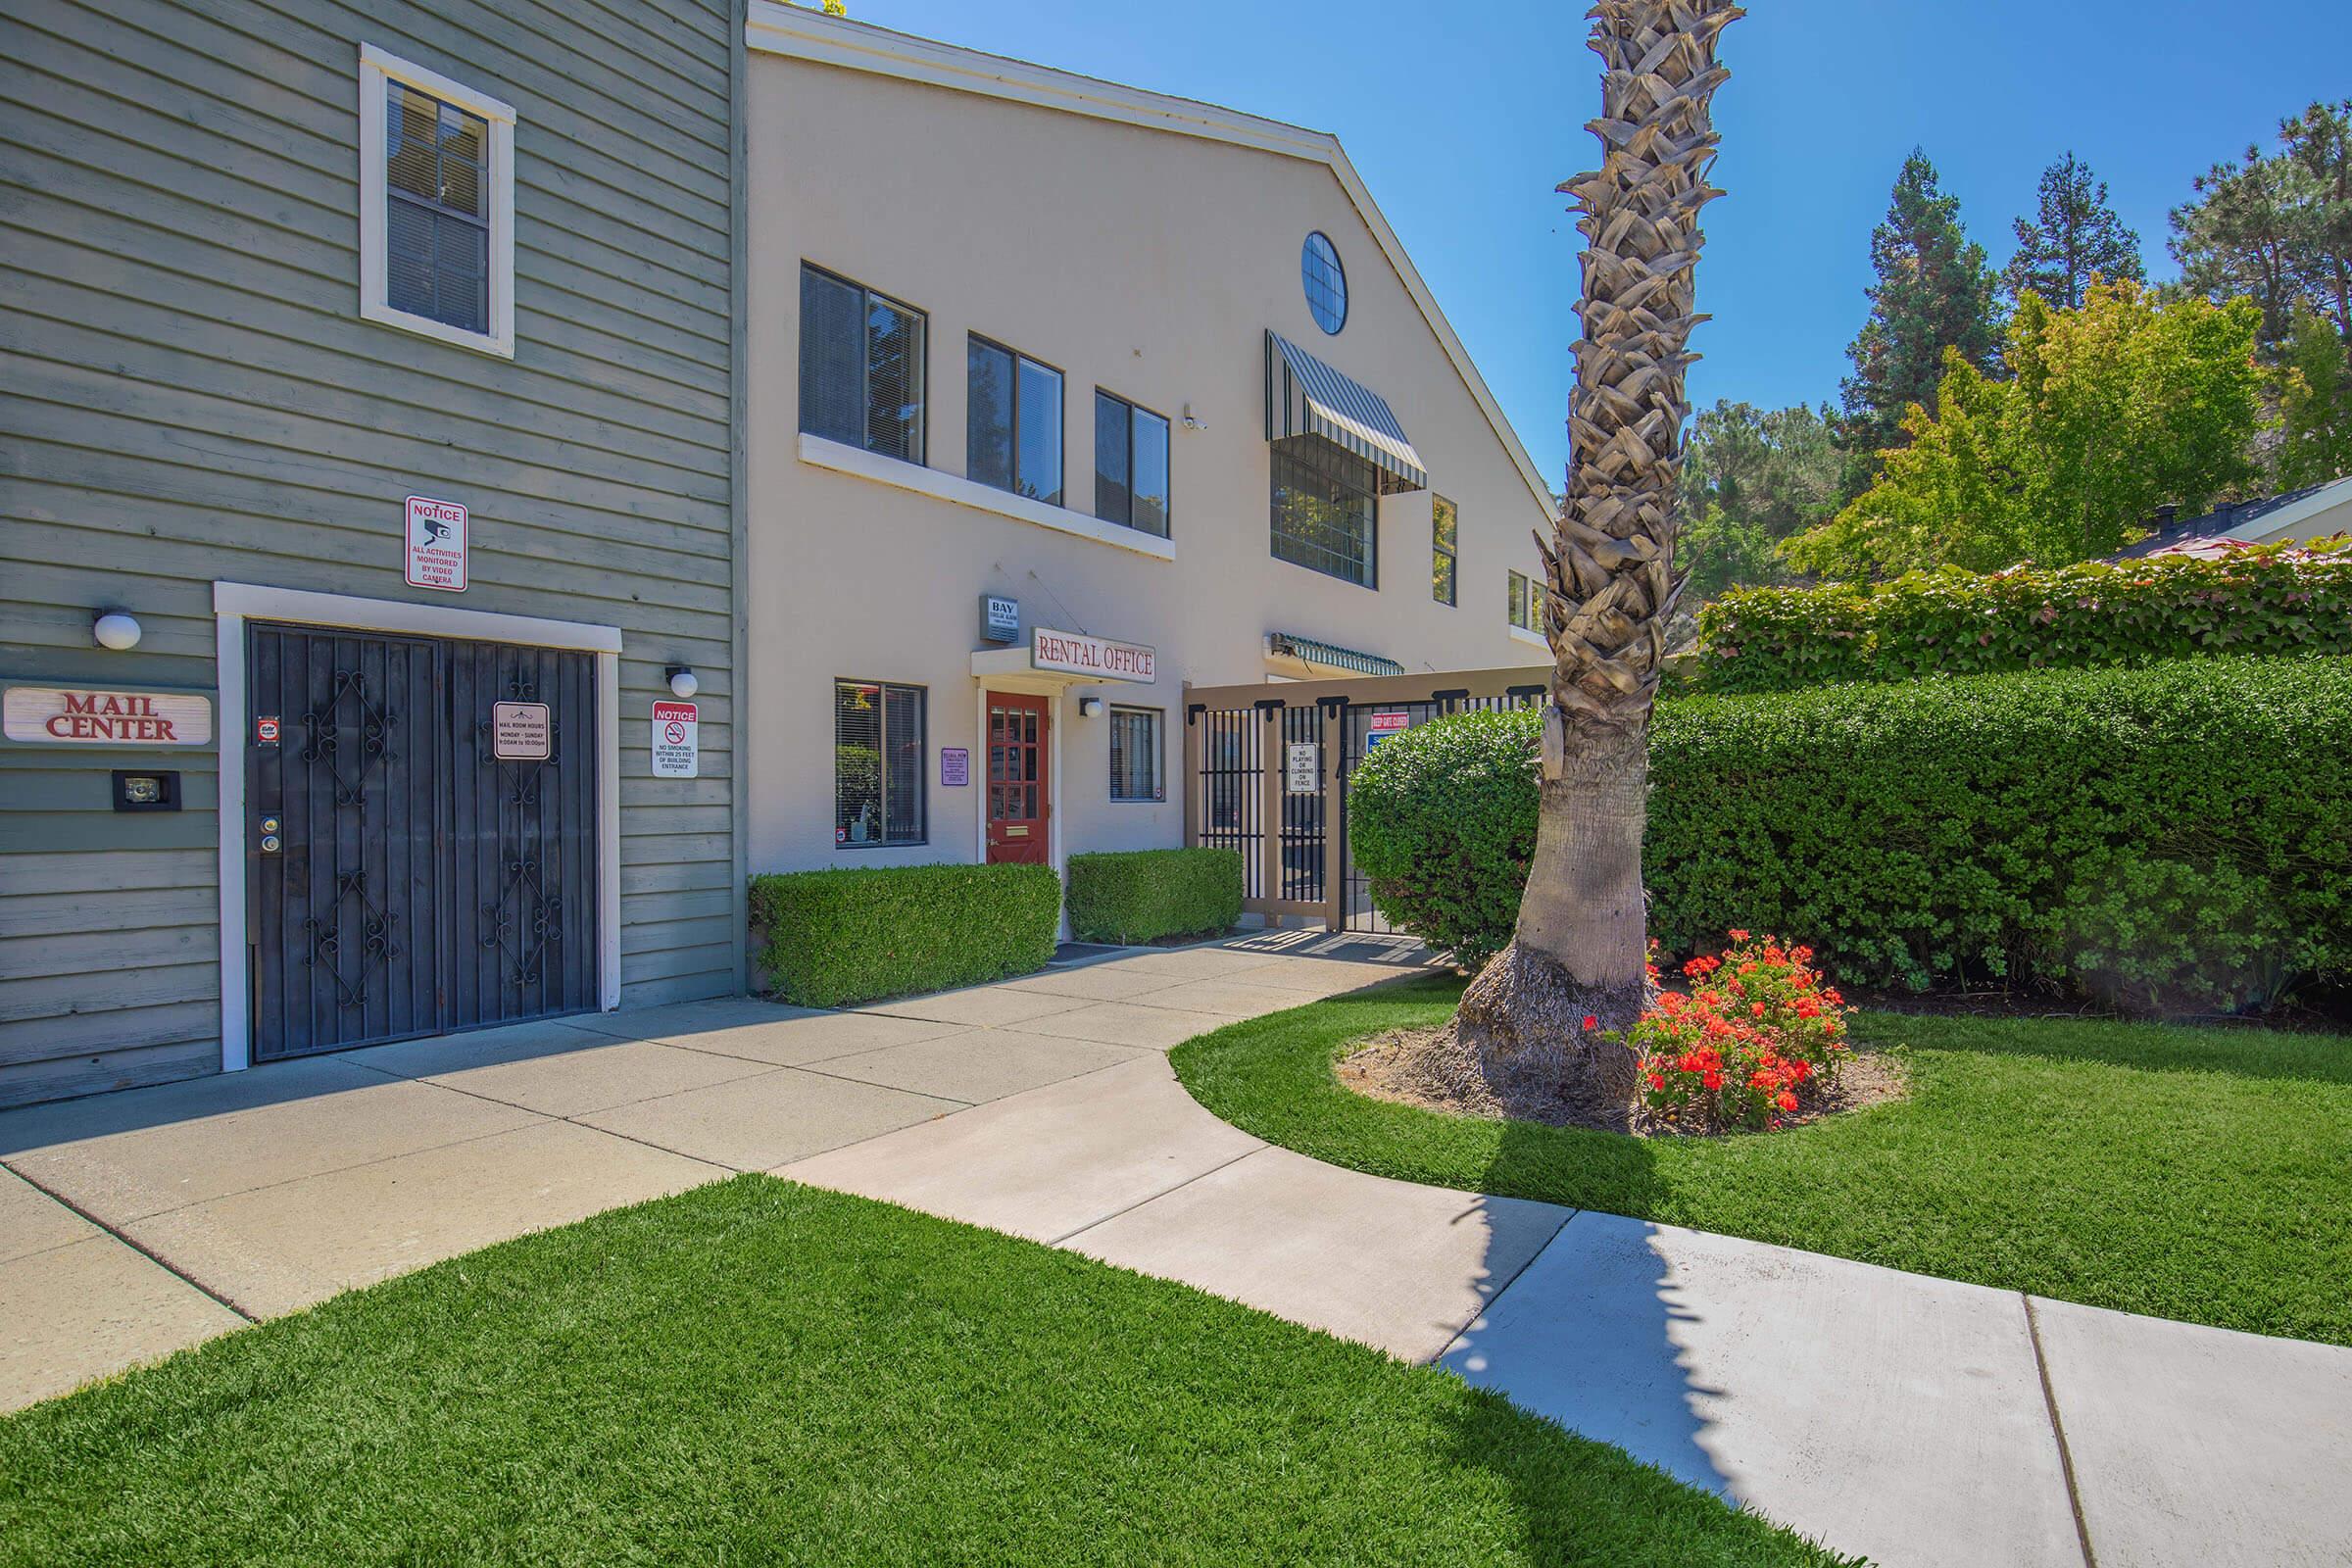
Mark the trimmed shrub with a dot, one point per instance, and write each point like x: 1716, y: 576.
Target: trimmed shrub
x: 1441, y: 819
x: 2173, y: 838
x: 1144, y: 895
x: 838, y: 937
x: 2276, y: 600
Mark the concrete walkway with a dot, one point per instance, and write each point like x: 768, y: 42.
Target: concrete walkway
x: 1920, y: 1421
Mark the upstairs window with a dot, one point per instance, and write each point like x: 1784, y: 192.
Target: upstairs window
x: 1131, y: 465
x: 877, y: 764
x: 1012, y: 422
x: 436, y: 206
x: 861, y: 367
x: 1444, y: 550
x: 1525, y: 603
x: 1326, y: 508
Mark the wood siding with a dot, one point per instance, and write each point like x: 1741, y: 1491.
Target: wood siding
x: 188, y: 394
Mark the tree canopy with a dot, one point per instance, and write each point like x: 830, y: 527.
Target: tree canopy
x: 2109, y: 410
x: 2072, y: 238
x: 1751, y: 477
x: 2276, y: 228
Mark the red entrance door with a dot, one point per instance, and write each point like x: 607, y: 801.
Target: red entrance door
x: 1018, y: 800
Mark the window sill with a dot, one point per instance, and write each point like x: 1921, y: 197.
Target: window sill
x: 962, y: 492
x: 1537, y: 639
x: 426, y: 326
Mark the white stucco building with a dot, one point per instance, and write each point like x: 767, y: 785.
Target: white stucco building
x: 1152, y: 380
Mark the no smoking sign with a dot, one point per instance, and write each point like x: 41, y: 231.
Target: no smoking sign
x: 676, y: 746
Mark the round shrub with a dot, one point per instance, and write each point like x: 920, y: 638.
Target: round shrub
x: 1441, y: 820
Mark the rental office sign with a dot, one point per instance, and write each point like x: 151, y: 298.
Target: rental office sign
x: 1078, y: 653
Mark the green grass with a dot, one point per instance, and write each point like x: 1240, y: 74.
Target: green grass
x: 757, y: 1372
x: 2190, y: 1173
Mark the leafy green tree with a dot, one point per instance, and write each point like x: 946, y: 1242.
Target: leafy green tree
x: 2072, y: 238
x: 2320, y: 142
x: 2314, y: 396
x: 1751, y: 478
x: 2276, y: 228
x: 2112, y: 410
x: 1934, y: 294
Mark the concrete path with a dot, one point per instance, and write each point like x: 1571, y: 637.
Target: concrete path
x: 1918, y: 1420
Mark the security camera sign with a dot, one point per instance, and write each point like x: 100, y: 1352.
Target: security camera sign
x: 437, y: 538
x: 677, y: 748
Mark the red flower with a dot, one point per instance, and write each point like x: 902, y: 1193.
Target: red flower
x: 1712, y: 1078
x: 1785, y: 1100
x: 1738, y: 935
x: 1591, y: 1022
x: 1756, y: 1010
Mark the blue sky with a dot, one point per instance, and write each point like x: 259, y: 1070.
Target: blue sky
x: 1462, y: 119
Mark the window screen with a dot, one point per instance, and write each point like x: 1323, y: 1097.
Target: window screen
x: 861, y: 367
x: 436, y: 210
x: 878, y: 750
x: 1135, y: 762
x: 1445, y: 548
x: 1012, y: 422
x: 1131, y: 465
x: 1325, y: 509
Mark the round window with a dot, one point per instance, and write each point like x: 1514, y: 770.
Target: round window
x: 1325, y: 282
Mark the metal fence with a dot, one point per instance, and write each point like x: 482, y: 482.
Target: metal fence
x: 1266, y: 772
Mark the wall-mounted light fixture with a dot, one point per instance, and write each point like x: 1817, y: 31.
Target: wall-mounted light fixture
x: 1089, y: 707
x: 116, y: 630
x: 1191, y: 423
x: 682, y: 683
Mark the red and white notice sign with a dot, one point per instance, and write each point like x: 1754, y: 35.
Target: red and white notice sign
x: 677, y: 746
x: 437, y: 539
x: 1082, y: 655
x: 1392, y: 721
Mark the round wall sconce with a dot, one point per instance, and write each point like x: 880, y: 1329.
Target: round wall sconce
x: 116, y: 630
x: 1089, y: 707
x: 682, y: 683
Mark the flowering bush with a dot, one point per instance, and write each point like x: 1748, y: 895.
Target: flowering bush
x: 1756, y: 1039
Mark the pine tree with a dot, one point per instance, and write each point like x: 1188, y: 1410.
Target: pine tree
x: 2073, y: 237
x: 1935, y: 291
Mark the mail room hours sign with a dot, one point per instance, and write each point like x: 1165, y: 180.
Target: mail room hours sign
x: 677, y: 746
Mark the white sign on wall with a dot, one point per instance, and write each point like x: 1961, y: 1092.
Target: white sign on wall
x: 522, y: 732
x: 1082, y: 655
x: 1304, y: 774
x: 437, y: 542
x: 677, y: 745
x: 75, y: 715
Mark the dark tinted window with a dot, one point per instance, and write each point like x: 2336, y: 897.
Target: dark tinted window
x: 861, y: 367
x: 1325, y: 282
x: 436, y: 210
x: 1131, y: 465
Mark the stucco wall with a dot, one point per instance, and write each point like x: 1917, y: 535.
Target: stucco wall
x: 1144, y: 262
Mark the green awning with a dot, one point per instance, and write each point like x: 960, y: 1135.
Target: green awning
x: 1306, y: 397
x: 1281, y: 645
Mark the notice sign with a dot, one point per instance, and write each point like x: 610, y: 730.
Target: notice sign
x: 437, y: 532
x: 522, y: 732
x: 1385, y: 724
x: 954, y: 766
x: 677, y: 748
x: 1304, y: 774
x: 75, y: 716
x: 1082, y: 655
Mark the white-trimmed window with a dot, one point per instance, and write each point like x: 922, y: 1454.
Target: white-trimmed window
x: 1525, y: 603
x: 436, y: 206
x: 1136, y: 766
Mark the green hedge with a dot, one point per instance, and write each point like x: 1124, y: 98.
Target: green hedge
x: 838, y: 937
x: 1954, y: 622
x: 1144, y: 895
x: 2174, y: 837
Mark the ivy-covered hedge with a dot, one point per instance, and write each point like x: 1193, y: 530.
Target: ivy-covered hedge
x: 1144, y: 895
x: 2269, y: 601
x: 831, y: 937
x: 2175, y: 838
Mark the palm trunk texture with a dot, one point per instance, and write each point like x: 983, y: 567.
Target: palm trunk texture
x: 1582, y: 933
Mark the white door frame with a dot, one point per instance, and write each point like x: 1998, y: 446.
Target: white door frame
x: 235, y: 603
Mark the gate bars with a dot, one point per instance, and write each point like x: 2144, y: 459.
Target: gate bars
x: 1239, y: 746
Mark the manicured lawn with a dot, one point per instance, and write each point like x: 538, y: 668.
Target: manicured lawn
x: 2190, y: 1173
x: 757, y: 1372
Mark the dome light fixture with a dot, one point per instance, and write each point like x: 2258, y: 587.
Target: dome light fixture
x: 682, y: 682
x: 116, y: 629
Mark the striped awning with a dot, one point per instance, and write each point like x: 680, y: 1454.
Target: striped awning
x: 1306, y: 397
x: 1331, y: 656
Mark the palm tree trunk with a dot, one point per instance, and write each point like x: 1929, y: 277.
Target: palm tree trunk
x: 1579, y: 951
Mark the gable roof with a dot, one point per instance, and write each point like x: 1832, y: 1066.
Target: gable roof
x: 802, y: 34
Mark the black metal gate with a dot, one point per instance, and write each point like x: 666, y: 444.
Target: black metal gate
x: 404, y: 877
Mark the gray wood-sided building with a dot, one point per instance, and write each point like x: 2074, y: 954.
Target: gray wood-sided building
x: 368, y: 443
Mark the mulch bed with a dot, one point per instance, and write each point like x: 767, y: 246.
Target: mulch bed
x: 1423, y: 1067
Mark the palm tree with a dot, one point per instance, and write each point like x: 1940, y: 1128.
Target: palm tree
x: 1580, y: 948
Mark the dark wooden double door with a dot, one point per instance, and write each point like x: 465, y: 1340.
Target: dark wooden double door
x: 404, y: 877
